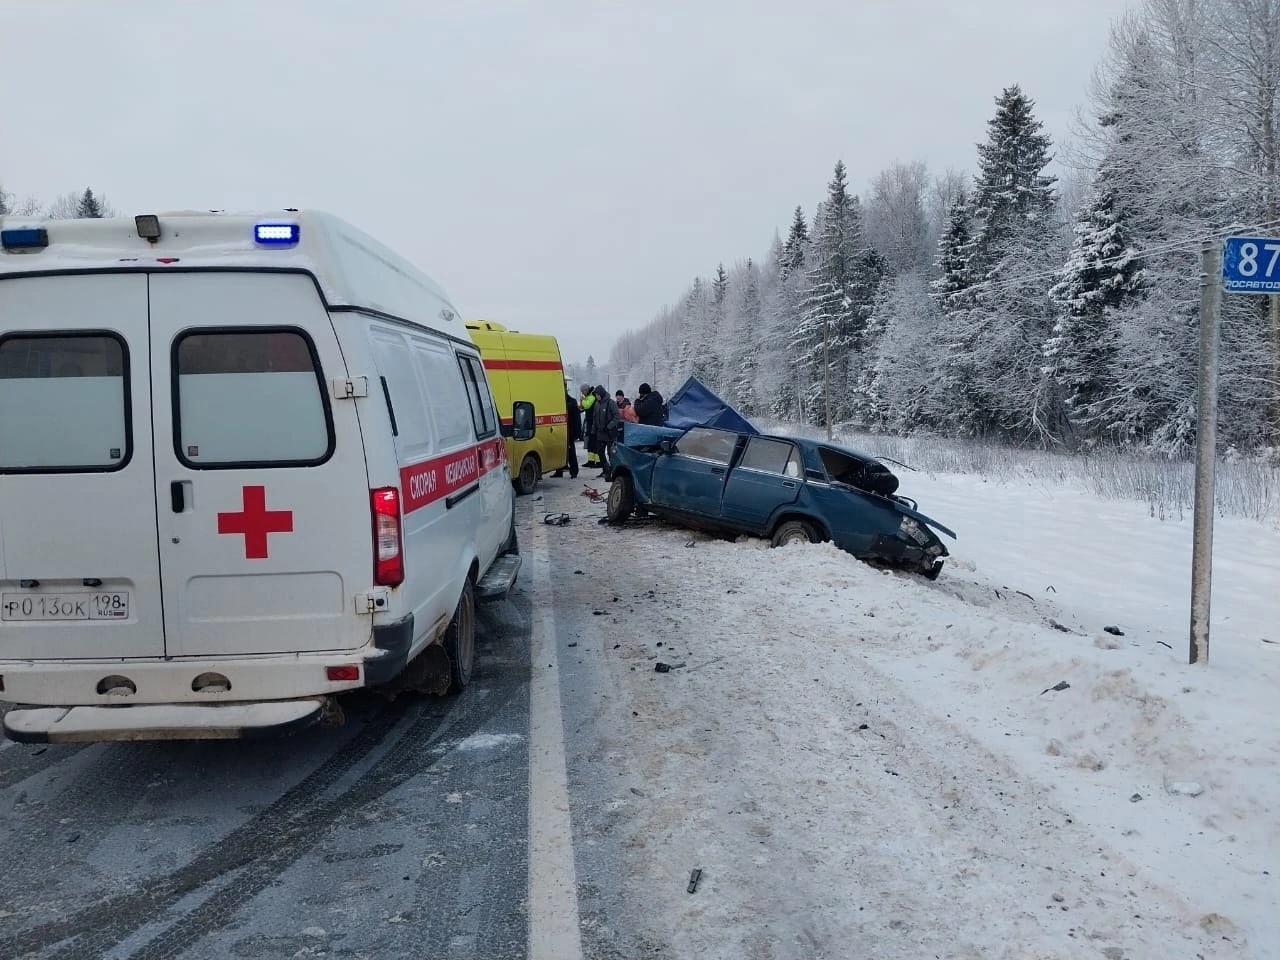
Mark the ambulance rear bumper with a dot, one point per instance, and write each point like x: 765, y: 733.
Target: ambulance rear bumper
x: 186, y: 721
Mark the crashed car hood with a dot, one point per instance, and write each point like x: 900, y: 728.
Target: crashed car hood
x: 917, y: 515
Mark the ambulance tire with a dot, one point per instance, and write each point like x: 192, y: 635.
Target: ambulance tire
x: 460, y: 639
x: 527, y: 478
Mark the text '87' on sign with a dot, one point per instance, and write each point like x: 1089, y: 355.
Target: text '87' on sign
x: 1251, y: 265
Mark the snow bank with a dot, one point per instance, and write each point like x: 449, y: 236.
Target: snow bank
x: 864, y: 763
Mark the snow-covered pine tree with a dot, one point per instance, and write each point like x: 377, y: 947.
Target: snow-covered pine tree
x: 747, y: 329
x: 840, y: 286
x: 715, y: 348
x: 1158, y: 141
x: 6, y: 199
x: 1012, y: 193
x: 952, y: 293
x: 793, y: 251
x: 903, y: 393
x: 1103, y: 275
x: 89, y: 207
x: 998, y: 338
x: 787, y: 381
x: 693, y: 323
x: 954, y: 250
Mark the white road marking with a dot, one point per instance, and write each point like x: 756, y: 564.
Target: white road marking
x: 554, y: 932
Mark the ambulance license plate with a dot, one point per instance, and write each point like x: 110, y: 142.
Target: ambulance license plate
x: 113, y: 605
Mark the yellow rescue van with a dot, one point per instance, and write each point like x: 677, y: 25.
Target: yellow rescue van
x: 527, y: 365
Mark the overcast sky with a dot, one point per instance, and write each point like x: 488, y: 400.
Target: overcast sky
x: 558, y: 166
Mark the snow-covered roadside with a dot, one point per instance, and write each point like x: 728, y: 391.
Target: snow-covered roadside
x: 972, y: 815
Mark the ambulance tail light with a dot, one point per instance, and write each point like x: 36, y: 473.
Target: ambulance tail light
x: 388, y: 545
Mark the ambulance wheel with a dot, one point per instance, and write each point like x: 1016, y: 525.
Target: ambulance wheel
x: 527, y: 479
x: 460, y: 639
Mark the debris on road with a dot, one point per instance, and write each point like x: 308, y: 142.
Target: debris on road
x: 1060, y: 685
x: 661, y: 667
x: 694, y: 876
x: 1114, y: 631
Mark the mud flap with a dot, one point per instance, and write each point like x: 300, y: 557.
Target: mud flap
x: 430, y: 672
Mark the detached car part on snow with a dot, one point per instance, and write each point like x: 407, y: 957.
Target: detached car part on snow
x: 787, y: 489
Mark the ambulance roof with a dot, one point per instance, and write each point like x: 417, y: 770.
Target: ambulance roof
x: 352, y: 268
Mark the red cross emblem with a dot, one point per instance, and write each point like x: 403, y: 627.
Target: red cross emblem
x: 255, y: 521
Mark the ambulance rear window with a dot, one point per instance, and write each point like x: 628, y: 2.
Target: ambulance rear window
x: 249, y: 397
x: 64, y: 403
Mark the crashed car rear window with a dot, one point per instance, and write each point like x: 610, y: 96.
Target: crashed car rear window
x: 770, y: 456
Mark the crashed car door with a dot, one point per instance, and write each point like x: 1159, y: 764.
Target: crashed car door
x: 691, y: 480
x: 767, y: 477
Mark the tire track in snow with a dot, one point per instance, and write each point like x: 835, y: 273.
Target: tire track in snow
x: 253, y: 855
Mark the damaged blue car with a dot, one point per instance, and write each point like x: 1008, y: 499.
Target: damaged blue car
x: 786, y: 489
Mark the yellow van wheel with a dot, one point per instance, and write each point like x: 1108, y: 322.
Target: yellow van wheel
x: 527, y: 478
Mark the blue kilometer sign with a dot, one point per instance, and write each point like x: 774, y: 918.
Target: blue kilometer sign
x: 1251, y: 265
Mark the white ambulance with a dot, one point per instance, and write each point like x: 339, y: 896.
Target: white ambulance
x: 246, y: 463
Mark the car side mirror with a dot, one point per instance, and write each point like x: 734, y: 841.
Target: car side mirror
x: 522, y: 420
x: 667, y: 445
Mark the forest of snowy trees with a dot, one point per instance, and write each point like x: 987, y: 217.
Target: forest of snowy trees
x: 1002, y: 305
x: 68, y: 206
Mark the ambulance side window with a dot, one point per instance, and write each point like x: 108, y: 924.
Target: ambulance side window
x: 64, y: 403
x: 482, y: 412
x: 391, y: 353
x: 249, y: 397
x: 449, y: 412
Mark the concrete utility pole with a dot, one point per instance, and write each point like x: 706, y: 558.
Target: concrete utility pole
x: 1206, y: 449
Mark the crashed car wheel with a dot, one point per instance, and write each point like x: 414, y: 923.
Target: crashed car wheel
x: 622, y: 499
x: 794, y: 531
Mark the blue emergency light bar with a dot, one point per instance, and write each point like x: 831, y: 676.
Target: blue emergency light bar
x: 24, y: 238
x: 277, y: 234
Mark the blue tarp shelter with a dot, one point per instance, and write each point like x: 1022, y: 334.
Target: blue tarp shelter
x: 694, y: 405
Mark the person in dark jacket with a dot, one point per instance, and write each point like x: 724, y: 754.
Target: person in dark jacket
x: 648, y: 406
x: 574, y: 427
x: 606, y: 421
